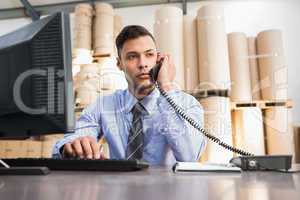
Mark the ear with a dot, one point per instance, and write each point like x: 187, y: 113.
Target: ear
x: 119, y: 65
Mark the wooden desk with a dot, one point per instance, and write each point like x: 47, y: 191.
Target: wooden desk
x: 151, y: 184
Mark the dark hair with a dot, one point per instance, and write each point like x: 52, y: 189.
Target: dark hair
x: 129, y: 33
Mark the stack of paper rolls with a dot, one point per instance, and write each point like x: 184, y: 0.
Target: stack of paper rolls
x: 279, y: 131
x: 273, y: 78
x: 248, y: 130
x: 253, y: 65
x: 239, y: 67
x: 88, y: 84
x: 272, y: 66
x: 190, y: 52
x: 168, y: 32
x: 103, y: 29
x: 212, y: 48
x: 83, y: 26
x: 217, y: 120
x: 89, y: 74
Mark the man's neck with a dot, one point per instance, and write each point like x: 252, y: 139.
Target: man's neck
x: 141, y: 93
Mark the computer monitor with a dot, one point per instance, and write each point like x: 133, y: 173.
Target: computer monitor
x: 36, y: 89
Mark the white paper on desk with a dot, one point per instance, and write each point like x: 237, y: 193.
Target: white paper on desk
x: 207, y: 167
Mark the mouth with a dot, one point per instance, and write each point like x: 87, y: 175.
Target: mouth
x: 143, y: 76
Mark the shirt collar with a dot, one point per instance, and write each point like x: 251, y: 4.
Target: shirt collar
x: 148, y: 101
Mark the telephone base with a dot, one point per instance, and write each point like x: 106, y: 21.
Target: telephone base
x: 262, y: 163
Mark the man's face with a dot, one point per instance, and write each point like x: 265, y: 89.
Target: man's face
x: 138, y: 56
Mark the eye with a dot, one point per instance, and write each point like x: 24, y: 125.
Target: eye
x: 149, y: 54
x: 131, y: 57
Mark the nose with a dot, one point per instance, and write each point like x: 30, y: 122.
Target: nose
x: 142, y: 62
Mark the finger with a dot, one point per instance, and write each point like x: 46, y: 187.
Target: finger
x: 95, y: 148
x: 87, y: 150
x: 102, y: 156
x: 77, y: 148
x: 160, y: 56
x: 68, y: 151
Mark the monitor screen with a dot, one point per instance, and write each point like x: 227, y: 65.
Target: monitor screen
x: 36, y: 89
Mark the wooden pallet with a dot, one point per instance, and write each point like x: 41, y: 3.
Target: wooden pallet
x: 262, y: 104
x: 200, y: 94
x: 101, y: 55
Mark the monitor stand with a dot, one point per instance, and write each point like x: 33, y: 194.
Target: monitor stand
x: 7, y: 170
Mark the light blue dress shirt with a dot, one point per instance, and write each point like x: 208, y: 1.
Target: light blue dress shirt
x: 167, y: 137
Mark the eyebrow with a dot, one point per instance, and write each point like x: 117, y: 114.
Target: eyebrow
x: 134, y: 52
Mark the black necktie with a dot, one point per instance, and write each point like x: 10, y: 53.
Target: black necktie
x: 135, y: 144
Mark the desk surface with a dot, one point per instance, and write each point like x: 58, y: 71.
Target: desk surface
x: 152, y: 184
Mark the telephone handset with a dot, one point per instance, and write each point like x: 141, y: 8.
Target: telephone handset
x: 153, y: 75
x: 154, y: 71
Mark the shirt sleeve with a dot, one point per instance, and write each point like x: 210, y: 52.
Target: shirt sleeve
x: 186, y: 142
x: 88, y: 124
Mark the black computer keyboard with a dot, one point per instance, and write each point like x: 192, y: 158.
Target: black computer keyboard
x: 79, y: 164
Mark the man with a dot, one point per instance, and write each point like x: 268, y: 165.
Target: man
x: 138, y: 123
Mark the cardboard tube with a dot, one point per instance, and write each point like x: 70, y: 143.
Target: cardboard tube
x: 118, y: 25
x: 248, y: 130
x: 272, y: 66
x: 217, y: 119
x: 253, y: 65
x: 279, y: 131
x: 168, y: 32
x: 239, y: 67
x: 82, y: 56
x: 297, y: 142
x: 86, y: 95
x: 112, y: 79
x: 190, y: 52
x: 84, y: 9
x: 83, y: 26
x: 104, y: 29
x: 212, y: 48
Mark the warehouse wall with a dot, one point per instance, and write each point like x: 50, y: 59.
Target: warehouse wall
x: 250, y: 17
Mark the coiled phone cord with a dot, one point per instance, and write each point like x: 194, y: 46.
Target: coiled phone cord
x: 182, y: 113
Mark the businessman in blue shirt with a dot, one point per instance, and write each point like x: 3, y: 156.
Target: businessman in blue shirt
x: 138, y: 123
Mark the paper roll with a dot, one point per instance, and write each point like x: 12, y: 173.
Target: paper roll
x: 217, y: 119
x: 239, y: 67
x: 297, y: 143
x: 248, y: 130
x: 82, y: 56
x: 89, y: 68
x: 190, y: 52
x: 279, y: 131
x: 168, y: 32
x: 104, y: 29
x: 118, y: 25
x: 212, y: 48
x: 272, y: 66
x: 84, y: 9
x: 86, y: 94
x: 253, y: 65
x: 112, y: 79
x: 83, y: 26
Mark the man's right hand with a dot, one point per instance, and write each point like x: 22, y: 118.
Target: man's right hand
x: 83, y: 147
